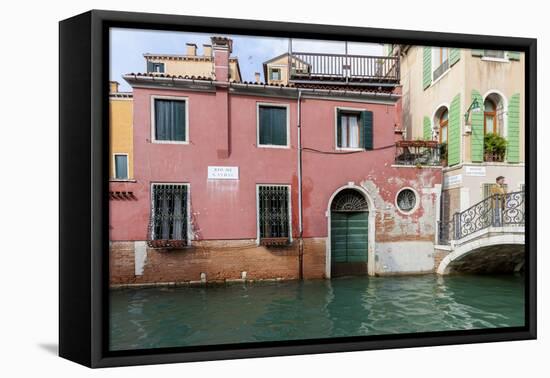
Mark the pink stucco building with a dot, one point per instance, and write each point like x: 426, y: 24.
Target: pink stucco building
x: 249, y: 180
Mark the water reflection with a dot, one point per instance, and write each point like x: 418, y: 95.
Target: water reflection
x: 165, y: 317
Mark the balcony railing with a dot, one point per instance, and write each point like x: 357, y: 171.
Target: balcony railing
x: 343, y: 67
x: 497, y: 210
x: 417, y: 152
x: 443, y: 67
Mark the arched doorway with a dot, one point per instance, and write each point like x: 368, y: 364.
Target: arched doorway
x: 349, y: 228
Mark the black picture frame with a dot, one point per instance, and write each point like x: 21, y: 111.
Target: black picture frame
x: 83, y: 153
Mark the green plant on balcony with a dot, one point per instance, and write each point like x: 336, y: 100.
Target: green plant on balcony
x: 443, y: 153
x: 494, y: 147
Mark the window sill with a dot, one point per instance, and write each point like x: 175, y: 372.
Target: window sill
x: 490, y: 59
x: 169, y: 142
x: 349, y: 149
x: 122, y: 180
x: 272, y: 146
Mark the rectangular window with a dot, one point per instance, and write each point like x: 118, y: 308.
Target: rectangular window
x: 272, y: 126
x: 499, y: 54
x: 275, y: 74
x: 158, y: 67
x: 274, y: 214
x: 121, y: 166
x: 169, y: 212
x: 350, y: 131
x: 441, y: 62
x: 170, y: 120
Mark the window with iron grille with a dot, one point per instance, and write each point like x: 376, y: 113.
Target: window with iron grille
x: 169, y: 212
x: 273, y: 214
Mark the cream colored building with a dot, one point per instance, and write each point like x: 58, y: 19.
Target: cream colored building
x: 191, y: 64
x: 456, y: 96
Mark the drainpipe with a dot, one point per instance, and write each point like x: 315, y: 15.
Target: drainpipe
x: 300, y: 209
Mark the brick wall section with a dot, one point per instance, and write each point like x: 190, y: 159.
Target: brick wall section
x: 121, y: 262
x: 314, y: 258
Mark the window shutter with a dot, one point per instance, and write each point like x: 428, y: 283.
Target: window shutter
x: 265, y: 126
x: 476, y: 52
x: 454, y: 56
x: 161, y: 67
x: 338, y: 128
x: 513, y: 55
x: 427, y: 128
x: 513, y: 129
x: 476, y: 140
x: 427, y: 67
x: 278, y: 126
x: 150, y: 67
x: 368, y: 127
x: 454, y: 132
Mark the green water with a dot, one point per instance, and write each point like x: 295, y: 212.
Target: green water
x: 184, y: 316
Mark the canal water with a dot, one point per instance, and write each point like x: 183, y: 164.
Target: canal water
x: 272, y: 311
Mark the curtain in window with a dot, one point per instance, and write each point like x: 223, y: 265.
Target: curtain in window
x: 350, y: 130
x: 169, y: 212
x: 121, y: 167
x: 272, y: 125
x: 170, y: 120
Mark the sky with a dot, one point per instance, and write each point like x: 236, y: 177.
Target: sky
x: 127, y: 47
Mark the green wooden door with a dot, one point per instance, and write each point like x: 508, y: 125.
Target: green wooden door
x: 349, y: 242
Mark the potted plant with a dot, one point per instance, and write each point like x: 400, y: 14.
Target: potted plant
x: 494, y: 147
x: 443, y: 153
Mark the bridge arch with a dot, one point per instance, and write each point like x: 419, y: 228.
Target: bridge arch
x: 486, y: 252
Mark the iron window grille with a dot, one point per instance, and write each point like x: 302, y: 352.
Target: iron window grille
x: 168, y: 222
x: 406, y: 200
x: 499, y: 54
x: 273, y: 214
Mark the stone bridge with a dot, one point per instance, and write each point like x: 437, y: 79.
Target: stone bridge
x: 489, y: 237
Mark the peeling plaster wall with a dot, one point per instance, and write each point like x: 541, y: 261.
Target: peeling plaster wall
x: 404, y: 257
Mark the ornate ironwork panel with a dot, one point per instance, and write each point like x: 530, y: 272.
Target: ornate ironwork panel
x: 168, y: 221
x: 274, y: 217
x: 406, y: 200
x: 497, y: 210
x: 349, y: 200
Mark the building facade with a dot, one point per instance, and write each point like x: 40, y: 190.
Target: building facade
x: 457, y: 97
x: 247, y: 180
x: 121, y: 141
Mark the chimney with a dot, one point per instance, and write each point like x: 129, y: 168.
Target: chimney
x: 113, y: 86
x: 222, y: 48
x: 191, y: 49
x: 207, y: 50
x: 257, y: 77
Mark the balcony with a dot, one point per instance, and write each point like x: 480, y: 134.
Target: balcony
x: 418, y: 152
x: 343, y: 69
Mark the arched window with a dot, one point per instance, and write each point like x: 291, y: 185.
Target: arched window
x: 444, y: 126
x: 490, y: 124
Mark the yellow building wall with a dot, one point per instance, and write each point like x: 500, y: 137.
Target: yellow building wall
x: 121, y: 132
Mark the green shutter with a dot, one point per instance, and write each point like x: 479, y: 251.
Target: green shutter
x: 454, y: 56
x: 476, y: 52
x: 454, y: 132
x: 366, y: 118
x: 273, y: 126
x: 150, y: 67
x: 513, y: 129
x: 513, y: 55
x: 427, y: 67
x: 338, y: 128
x: 427, y: 129
x: 476, y: 139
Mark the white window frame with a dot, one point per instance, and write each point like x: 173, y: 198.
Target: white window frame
x: 190, y: 235
x: 351, y: 110
x: 270, y: 71
x: 115, y: 154
x: 153, y: 125
x: 416, y: 203
x: 276, y: 105
x: 258, y: 210
x: 158, y: 64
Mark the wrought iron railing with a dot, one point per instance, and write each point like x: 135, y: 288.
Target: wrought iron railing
x: 168, y: 221
x: 497, y: 210
x: 418, y: 152
x: 311, y: 66
x: 441, y: 69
